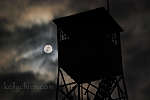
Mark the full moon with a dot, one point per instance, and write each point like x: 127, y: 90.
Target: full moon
x: 48, y: 49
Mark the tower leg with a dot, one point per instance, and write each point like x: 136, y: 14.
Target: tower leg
x: 57, y: 88
x: 78, y: 91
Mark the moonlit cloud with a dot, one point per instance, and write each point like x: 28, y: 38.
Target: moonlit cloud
x: 25, y: 13
x: 19, y: 17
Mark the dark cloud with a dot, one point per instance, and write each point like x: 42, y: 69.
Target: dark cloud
x: 25, y: 86
x: 84, y: 5
x: 134, y: 18
x: 22, y: 18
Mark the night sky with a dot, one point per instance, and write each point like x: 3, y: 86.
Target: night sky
x: 25, y: 27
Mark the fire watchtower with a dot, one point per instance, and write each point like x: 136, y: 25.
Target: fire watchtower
x: 90, y: 51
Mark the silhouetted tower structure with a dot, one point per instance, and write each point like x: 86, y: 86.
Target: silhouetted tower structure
x: 89, y: 50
